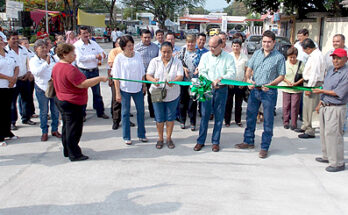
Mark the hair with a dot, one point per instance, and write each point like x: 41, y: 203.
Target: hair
x: 170, y: 33
x: 117, y: 29
x: 85, y: 28
x: 11, y: 34
x: 23, y: 39
x: 64, y: 49
x: 237, y: 35
x: 58, y: 35
x: 46, y: 40
x: 237, y: 41
x: 39, y: 43
x: 304, y: 32
x: 166, y: 43
x: 269, y: 34
x: 124, y: 40
x: 308, y: 43
x: 343, y: 38
x: 118, y: 40
x: 190, y: 38
x: 202, y: 35
x: 219, y: 41
x: 291, y: 51
x: 144, y: 31
x: 222, y: 33
x: 159, y: 31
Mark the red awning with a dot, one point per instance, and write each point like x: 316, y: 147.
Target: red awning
x: 37, y: 15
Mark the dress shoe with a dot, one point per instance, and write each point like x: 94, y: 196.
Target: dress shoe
x: 293, y: 128
x: 81, y: 158
x: 286, y: 126
x: 56, y: 134
x: 115, y: 125
x: 131, y: 124
x: 34, y: 116
x: 170, y: 144
x: 29, y: 122
x: 305, y: 136
x: 144, y: 140
x: 227, y: 125
x: 240, y: 124
x: 44, y: 137
x: 215, y: 148
x: 13, y: 127
x: 84, y: 119
x: 193, y: 127
x: 104, y: 116
x: 198, y: 147
x: 299, y: 130
x: 335, y: 169
x: 263, y: 154
x: 244, y: 146
x: 321, y: 160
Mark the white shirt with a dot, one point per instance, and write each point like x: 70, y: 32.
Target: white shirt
x: 314, y: 69
x: 302, y: 56
x: 41, y: 70
x: 3, y: 37
x: 328, y: 58
x: 240, y: 65
x: 31, y: 54
x: 7, y: 67
x: 22, y: 58
x: 86, y: 54
x: 114, y: 36
x: 158, y: 70
x: 129, y: 68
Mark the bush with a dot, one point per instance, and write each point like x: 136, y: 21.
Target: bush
x: 32, y: 38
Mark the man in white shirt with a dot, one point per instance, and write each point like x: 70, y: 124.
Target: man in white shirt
x: 88, y: 55
x: 338, y: 42
x: 302, y: 34
x: 313, y: 76
x: 159, y: 37
x: 225, y: 47
x: 114, y: 37
x: 21, y: 55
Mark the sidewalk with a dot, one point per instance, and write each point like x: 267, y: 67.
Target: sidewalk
x: 36, y: 179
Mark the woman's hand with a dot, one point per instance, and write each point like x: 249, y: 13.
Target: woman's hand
x: 196, y: 72
x: 170, y: 85
x: 103, y: 79
x: 118, y: 97
x: 156, y: 80
x: 187, y: 72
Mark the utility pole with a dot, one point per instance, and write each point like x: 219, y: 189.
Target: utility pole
x: 46, y: 17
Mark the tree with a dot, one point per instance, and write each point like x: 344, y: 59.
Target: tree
x: 199, y: 10
x: 300, y: 7
x: 162, y: 9
x: 236, y: 9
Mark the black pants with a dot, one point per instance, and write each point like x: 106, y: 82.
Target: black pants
x: 72, y: 116
x: 22, y: 89
x: 115, y: 106
x: 113, y: 45
x: 187, y: 105
x: 149, y: 101
x: 6, y: 95
x: 238, y: 94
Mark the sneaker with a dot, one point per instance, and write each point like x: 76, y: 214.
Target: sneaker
x: 335, y: 169
x: 29, y: 122
x: 263, y: 154
x: 13, y: 138
x: 244, y: 146
x: 286, y: 126
x: 14, y: 127
x: 3, y: 143
x: 193, y: 127
x: 144, y: 140
x: 182, y: 125
x: 128, y: 142
x: 104, y: 116
x: 305, y: 136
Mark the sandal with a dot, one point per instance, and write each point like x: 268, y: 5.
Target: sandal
x: 170, y: 144
x: 159, y: 144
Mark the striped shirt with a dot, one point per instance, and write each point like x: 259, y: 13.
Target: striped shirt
x: 147, y: 52
x: 266, y: 69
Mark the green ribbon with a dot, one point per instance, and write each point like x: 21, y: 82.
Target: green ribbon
x: 182, y: 83
x: 201, y: 89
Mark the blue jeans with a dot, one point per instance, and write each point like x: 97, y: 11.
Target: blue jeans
x: 22, y: 90
x: 98, y: 104
x: 218, y: 104
x: 268, y: 100
x: 166, y: 111
x: 43, y: 106
x: 138, y: 99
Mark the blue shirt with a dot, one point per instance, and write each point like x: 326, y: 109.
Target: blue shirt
x: 266, y: 69
x: 147, y: 52
x: 338, y: 82
x: 199, y: 53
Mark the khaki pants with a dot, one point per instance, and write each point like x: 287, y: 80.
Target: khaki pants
x: 331, y: 133
x: 309, y: 104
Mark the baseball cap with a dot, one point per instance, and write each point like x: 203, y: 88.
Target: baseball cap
x: 339, y: 53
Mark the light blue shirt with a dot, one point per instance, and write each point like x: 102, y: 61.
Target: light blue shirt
x: 216, y: 67
x: 266, y: 69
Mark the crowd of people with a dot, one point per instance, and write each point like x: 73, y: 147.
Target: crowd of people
x: 72, y: 64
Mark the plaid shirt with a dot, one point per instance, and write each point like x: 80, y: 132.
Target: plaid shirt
x: 147, y: 52
x: 267, y: 69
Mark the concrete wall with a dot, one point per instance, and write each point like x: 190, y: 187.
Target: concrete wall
x: 334, y: 26
x: 313, y: 27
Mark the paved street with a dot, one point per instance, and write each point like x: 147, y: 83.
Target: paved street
x: 36, y: 179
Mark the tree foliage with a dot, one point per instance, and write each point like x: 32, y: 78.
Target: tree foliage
x: 162, y: 9
x: 298, y: 6
x: 236, y: 9
x: 199, y: 10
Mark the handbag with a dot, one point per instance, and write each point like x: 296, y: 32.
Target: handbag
x: 298, y: 76
x: 50, y: 91
x: 246, y: 94
x: 159, y: 94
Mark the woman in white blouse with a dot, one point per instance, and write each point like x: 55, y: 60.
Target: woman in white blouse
x: 41, y: 67
x: 8, y: 78
x: 165, y: 68
x: 129, y: 65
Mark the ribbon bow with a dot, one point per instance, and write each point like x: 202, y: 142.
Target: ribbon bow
x: 201, y: 89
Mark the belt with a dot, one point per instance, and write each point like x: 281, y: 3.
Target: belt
x: 258, y: 88
x: 329, y: 104
x: 305, y: 81
x: 219, y: 87
x: 89, y: 70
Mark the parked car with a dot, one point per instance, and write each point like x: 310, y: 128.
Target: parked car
x: 214, y: 31
x: 254, y: 42
x: 177, y: 34
x: 192, y: 31
x: 232, y: 32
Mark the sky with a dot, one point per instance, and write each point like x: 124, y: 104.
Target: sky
x: 215, y: 4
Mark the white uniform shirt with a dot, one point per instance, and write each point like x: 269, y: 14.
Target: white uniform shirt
x: 129, y: 68
x: 314, y: 69
x: 7, y: 67
x: 22, y: 58
x: 31, y: 54
x: 86, y: 54
x: 302, y: 56
x: 158, y: 70
x: 41, y: 70
x: 240, y: 64
x: 113, y: 36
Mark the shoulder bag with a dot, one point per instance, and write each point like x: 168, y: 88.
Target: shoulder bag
x: 298, y: 76
x: 158, y: 94
x: 50, y: 91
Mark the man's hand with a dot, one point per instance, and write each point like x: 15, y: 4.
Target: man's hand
x: 251, y: 87
x: 144, y: 89
x: 196, y: 72
x: 118, y: 97
x: 31, y: 77
x: 308, y: 93
x: 170, y: 85
x: 317, y: 108
x: 264, y: 88
x: 98, y: 57
x: 216, y: 83
x: 317, y: 91
x: 12, y: 79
